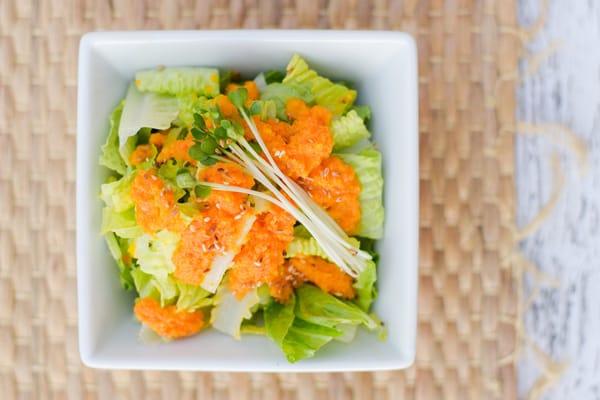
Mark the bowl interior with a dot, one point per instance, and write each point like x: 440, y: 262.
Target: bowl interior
x: 383, y: 68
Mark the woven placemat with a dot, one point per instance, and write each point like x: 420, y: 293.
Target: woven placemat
x: 468, y: 297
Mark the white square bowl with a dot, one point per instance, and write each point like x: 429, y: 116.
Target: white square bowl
x: 383, y: 65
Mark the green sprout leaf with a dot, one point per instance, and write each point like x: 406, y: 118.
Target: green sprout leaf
x: 208, y: 145
x: 208, y: 161
x: 221, y: 132
x: 196, y: 152
x: 238, y: 97
x: 198, y: 134
x: 202, y: 191
x: 199, y: 121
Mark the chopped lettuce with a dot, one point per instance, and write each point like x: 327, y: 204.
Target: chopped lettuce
x: 192, y: 297
x: 162, y: 289
x: 348, y: 333
x: 121, y: 223
x: 366, y: 291
x: 114, y: 246
x: 348, y: 130
x: 316, y: 306
x: 154, y: 253
x: 364, y: 112
x: 229, y: 312
x: 337, y: 98
x: 278, y: 319
x: 111, y: 157
x: 190, y: 104
x: 176, y: 81
x: 284, y: 92
x: 367, y: 165
x: 304, y: 339
x: 308, y: 246
x: 265, y: 109
x: 144, y: 110
x: 117, y: 194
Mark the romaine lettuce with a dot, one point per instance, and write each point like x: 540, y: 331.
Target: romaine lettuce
x: 176, y: 81
x: 121, y: 223
x: 367, y: 165
x: 348, y: 130
x: 284, y: 92
x: 114, y: 246
x: 279, y: 318
x: 117, y: 194
x: 304, y: 339
x: 366, y: 291
x: 337, y: 98
x: 308, y: 246
x: 144, y: 110
x: 162, y: 289
x: 154, y: 253
x: 111, y: 156
x: 229, y: 312
x: 192, y: 297
x: 316, y: 306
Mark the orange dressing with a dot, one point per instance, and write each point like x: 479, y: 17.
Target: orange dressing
x: 327, y: 276
x: 155, y: 205
x: 177, y: 149
x: 167, y: 321
x: 227, y: 174
x: 300, y: 147
x: 214, y: 230
x: 334, y: 186
x: 142, y: 153
x: 261, y: 260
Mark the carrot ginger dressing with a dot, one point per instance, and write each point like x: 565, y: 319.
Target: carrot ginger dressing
x: 155, y: 205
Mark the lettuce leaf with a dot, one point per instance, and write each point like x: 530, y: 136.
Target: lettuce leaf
x: 114, y: 246
x: 117, y: 194
x: 348, y: 130
x: 154, y: 253
x: 190, y: 104
x: 164, y: 290
x: 315, y: 306
x: 304, y: 339
x: 229, y: 312
x: 367, y: 165
x: 337, y: 98
x: 121, y: 223
x: 308, y: 246
x: 144, y: 110
x: 179, y: 80
x: 284, y: 92
x: 366, y: 291
x: 192, y: 297
x: 111, y: 157
x: 278, y: 319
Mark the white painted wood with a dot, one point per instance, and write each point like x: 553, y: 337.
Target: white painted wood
x: 564, y: 321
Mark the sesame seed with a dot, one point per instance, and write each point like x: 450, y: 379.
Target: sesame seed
x: 257, y: 264
x: 203, y: 247
x: 206, y: 219
x: 238, y: 216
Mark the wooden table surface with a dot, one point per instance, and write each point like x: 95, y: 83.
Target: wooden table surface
x: 563, y: 319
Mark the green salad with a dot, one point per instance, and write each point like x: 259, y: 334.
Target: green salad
x: 247, y: 206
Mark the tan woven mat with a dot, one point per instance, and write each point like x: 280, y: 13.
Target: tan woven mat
x: 467, y: 301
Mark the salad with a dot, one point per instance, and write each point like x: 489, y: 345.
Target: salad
x: 245, y: 206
